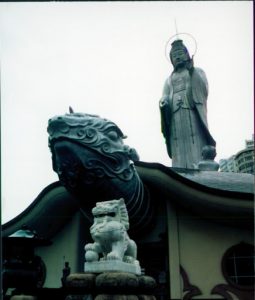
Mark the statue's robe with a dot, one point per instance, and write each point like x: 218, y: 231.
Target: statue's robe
x: 184, y: 117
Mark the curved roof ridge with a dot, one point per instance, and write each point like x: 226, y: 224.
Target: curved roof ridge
x: 191, y: 178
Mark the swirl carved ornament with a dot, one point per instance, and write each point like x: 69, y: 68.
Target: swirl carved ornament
x: 110, y: 157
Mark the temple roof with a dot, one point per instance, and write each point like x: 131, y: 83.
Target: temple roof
x: 207, y: 193
x: 219, y: 181
x: 227, y: 181
x: 213, y: 182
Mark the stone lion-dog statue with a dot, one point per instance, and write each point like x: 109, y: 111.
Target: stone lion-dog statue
x: 109, y: 233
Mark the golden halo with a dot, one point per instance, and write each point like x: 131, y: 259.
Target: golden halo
x: 188, y: 40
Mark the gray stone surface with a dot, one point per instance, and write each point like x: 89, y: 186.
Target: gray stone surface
x: 79, y: 297
x: 117, y: 282
x: 23, y: 297
x: 183, y: 110
x: 147, y: 283
x: 84, y: 280
x: 146, y: 297
x: 116, y: 297
x: 111, y: 266
x: 235, y: 182
x: 207, y: 163
x: 112, y: 285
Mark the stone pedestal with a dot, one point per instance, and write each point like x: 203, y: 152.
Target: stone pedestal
x: 117, y: 282
x: 110, y: 286
x: 111, y: 265
x: 81, y: 280
x: 23, y: 297
x: 79, y: 297
x: 81, y: 286
x: 116, y: 297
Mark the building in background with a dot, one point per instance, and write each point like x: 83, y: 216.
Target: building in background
x: 228, y: 165
x: 242, y: 162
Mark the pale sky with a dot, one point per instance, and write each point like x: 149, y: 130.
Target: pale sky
x: 108, y: 58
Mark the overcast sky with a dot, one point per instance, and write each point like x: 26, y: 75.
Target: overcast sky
x: 108, y: 58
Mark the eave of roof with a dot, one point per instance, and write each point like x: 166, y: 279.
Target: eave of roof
x: 207, y: 201
x: 47, y: 214
x: 233, y: 185
x: 54, y: 206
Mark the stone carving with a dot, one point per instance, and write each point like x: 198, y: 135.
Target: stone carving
x: 207, y: 163
x: 94, y: 164
x: 111, y: 241
x: 101, y: 135
x: 184, y: 111
x: 111, y: 285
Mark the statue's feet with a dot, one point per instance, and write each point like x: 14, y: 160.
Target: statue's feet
x: 103, y: 258
x: 113, y: 256
x: 129, y: 259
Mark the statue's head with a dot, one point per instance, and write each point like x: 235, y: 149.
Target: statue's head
x: 86, y: 148
x: 179, y: 54
x: 113, y: 210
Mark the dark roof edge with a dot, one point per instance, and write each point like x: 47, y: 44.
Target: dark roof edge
x: 32, y: 205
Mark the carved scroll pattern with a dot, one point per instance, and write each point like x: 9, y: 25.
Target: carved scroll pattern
x: 189, y: 290
x: 226, y: 290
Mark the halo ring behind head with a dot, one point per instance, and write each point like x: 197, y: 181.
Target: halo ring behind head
x: 188, y: 40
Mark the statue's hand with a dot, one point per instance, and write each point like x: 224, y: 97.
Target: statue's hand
x: 91, y: 256
x: 93, y: 247
x: 162, y: 102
